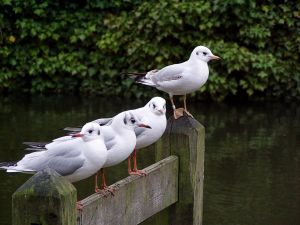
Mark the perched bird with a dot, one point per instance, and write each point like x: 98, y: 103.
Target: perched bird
x: 119, y: 138
x: 75, y: 157
x: 180, y: 79
x: 154, y: 115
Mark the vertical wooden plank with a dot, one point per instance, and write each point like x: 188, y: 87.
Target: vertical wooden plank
x: 185, y: 138
x: 45, y: 199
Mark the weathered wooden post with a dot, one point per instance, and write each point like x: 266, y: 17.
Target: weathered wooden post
x: 45, y: 199
x: 185, y: 138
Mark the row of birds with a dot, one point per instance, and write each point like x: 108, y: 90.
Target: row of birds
x: 97, y: 145
x: 106, y: 142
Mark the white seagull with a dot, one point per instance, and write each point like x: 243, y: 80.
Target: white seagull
x: 75, y: 157
x: 154, y: 115
x: 180, y: 79
x: 119, y: 139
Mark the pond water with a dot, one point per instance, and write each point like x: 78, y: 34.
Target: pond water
x: 252, y: 159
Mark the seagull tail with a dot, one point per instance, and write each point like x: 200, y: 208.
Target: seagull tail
x: 141, y: 78
x: 135, y: 76
x: 5, y: 165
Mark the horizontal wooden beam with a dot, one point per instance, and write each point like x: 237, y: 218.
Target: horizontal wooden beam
x: 136, y: 198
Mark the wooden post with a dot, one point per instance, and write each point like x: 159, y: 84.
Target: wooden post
x: 185, y: 138
x: 45, y: 199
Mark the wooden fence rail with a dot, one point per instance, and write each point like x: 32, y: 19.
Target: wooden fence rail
x: 171, y: 193
x: 136, y: 198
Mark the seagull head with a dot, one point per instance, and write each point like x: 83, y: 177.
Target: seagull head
x: 203, y: 53
x: 132, y: 121
x: 157, y: 105
x: 89, y: 131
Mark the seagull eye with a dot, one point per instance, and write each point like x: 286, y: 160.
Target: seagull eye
x: 132, y: 121
x: 164, y: 106
x: 90, y: 131
x: 204, y: 53
x: 154, y: 106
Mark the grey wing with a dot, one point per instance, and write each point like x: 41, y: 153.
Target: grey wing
x: 35, y: 146
x: 35, y: 149
x: 64, y: 157
x: 109, y: 137
x: 169, y: 73
x: 139, y: 131
x: 110, y: 142
x: 73, y: 129
x: 65, y: 166
x: 103, y: 121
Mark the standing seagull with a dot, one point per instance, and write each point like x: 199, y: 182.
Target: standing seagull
x: 119, y: 138
x: 154, y: 114
x: 180, y: 79
x: 75, y: 157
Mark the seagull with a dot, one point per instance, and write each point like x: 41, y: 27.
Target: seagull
x: 119, y: 139
x: 154, y: 115
x: 180, y: 79
x: 75, y: 157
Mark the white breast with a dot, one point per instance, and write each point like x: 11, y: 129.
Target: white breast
x: 124, y: 146
x: 149, y: 136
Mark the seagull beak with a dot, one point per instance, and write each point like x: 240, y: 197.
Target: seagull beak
x: 214, y: 57
x: 77, y: 135
x: 161, y: 111
x: 144, y: 125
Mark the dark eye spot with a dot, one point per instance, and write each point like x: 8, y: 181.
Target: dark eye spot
x: 204, y: 53
x: 98, y: 132
x: 197, y: 53
x: 154, y: 106
x: 90, y: 131
x: 132, y: 121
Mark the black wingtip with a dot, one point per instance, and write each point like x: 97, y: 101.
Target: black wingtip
x: 136, y: 76
x: 36, y: 144
x: 5, y: 164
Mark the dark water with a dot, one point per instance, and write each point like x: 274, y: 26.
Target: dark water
x: 252, y: 162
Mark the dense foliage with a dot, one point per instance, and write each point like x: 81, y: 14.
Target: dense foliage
x: 66, y: 46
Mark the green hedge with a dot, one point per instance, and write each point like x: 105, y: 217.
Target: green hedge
x: 66, y: 46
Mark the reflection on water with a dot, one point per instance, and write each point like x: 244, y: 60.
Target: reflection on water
x: 252, y: 166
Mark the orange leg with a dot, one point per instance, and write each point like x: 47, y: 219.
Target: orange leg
x: 129, y: 164
x: 185, y: 108
x: 104, y: 185
x: 135, y: 171
x: 97, y: 190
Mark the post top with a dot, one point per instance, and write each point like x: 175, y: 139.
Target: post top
x: 45, y: 183
x: 184, y: 124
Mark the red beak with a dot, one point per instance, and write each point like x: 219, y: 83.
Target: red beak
x: 77, y: 135
x: 160, y: 110
x: 144, y: 125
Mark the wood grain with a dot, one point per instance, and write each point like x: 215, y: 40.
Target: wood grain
x: 136, y: 198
